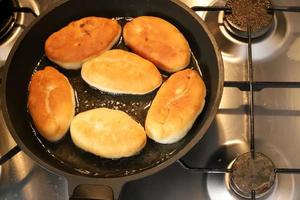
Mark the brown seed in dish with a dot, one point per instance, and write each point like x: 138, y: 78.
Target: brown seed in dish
x: 175, y: 107
x: 81, y: 40
x: 158, y: 41
x: 51, y: 103
x: 122, y: 72
x: 108, y: 133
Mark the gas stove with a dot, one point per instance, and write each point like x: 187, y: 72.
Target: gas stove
x: 250, y: 150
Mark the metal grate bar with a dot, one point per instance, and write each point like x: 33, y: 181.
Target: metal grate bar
x: 251, y: 96
x: 260, y: 85
x: 284, y: 8
x: 287, y: 171
x: 253, y: 195
x: 24, y: 10
x: 203, y: 170
x: 9, y: 154
x: 211, y: 8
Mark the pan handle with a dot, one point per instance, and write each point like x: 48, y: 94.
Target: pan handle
x: 90, y: 189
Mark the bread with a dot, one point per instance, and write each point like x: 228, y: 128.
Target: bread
x: 81, y: 40
x: 119, y: 71
x: 175, y: 107
x: 158, y: 41
x: 107, y: 133
x: 51, y: 103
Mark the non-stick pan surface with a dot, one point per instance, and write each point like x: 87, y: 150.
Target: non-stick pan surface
x: 88, y: 98
x: 63, y: 157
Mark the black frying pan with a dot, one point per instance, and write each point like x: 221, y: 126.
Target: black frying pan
x: 63, y: 158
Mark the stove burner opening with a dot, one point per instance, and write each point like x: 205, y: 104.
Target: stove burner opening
x: 7, y: 16
x: 250, y: 174
x: 252, y: 13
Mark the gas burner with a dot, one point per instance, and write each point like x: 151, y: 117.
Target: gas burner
x: 7, y: 16
x: 248, y: 14
x: 252, y: 174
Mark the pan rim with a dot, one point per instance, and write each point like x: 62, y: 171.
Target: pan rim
x: 126, y: 178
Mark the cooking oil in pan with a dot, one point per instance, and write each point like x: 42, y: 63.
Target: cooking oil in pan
x: 136, y: 106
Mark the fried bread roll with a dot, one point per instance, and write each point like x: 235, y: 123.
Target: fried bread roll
x: 119, y: 71
x: 175, y: 107
x: 158, y: 41
x: 107, y: 133
x: 51, y: 103
x: 81, y: 40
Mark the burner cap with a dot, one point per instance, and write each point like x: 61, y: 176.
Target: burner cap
x: 7, y: 17
x: 250, y: 174
x: 252, y: 13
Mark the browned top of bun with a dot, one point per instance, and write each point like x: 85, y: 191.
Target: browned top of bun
x: 120, y: 71
x: 175, y: 107
x: 51, y: 103
x: 82, y: 39
x: 158, y: 41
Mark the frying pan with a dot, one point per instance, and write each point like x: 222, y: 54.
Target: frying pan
x: 87, y: 174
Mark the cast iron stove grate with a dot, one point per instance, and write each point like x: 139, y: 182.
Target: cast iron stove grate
x: 252, y: 175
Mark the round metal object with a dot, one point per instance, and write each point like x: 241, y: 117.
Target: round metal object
x: 248, y: 14
x: 252, y: 174
x: 7, y: 17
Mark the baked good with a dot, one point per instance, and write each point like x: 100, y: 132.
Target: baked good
x: 158, y: 41
x: 51, y: 103
x: 107, y: 133
x: 81, y: 40
x: 175, y: 107
x: 119, y: 71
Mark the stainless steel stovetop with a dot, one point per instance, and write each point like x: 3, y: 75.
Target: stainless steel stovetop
x: 277, y: 123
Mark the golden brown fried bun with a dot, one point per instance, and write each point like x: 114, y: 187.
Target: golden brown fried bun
x: 158, y: 41
x: 51, y: 103
x: 119, y: 71
x: 81, y: 40
x: 107, y: 133
x: 175, y: 107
